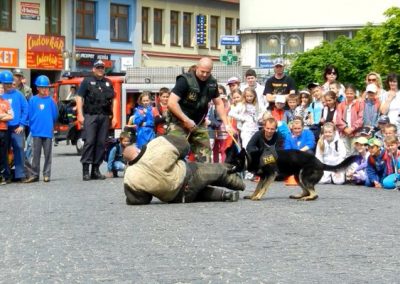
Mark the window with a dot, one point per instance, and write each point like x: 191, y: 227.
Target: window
x: 158, y: 30
x: 281, y: 43
x: 228, y: 29
x: 85, y: 19
x: 6, y: 15
x: 237, y: 32
x: 174, y: 26
x: 53, y: 17
x: 187, y: 29
x: 333, y: 35
x: 119, y: 22
x: 228, y: 26
x: 145, y: 25
x: 214, y: 36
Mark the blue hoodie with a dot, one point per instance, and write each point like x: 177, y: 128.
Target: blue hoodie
x: 42, y: 115
x: 19, y: 107
x: 306, y: 138
x: 144, y: 115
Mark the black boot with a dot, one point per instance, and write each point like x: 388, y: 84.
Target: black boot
x: 85, y: 172
x: 96, y: 174
x: 231, y: 196
x: 211, y: 193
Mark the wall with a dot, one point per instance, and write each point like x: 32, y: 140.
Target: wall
x: 311, y: 13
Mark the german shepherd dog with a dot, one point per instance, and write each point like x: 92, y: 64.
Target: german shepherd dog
x: 305, y: 167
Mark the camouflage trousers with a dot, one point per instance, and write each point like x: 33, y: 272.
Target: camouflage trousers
x: 198, y: 139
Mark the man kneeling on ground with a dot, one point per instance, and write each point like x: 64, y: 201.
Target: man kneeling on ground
x: 160, y: 170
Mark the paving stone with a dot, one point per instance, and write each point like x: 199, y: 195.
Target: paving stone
x: 82, y: 232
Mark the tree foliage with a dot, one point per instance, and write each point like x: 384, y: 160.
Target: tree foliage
x: 374, y: 48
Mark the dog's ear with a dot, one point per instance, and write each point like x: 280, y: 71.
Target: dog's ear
x: 238, y: 160
x: 231, y: 154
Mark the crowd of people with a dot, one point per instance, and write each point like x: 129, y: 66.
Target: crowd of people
x: 330, y: 119
x: 26, y: 128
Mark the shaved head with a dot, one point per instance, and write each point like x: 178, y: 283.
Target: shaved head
x: 205, y: 62
x: 204, y: 67
x: 130, y: 153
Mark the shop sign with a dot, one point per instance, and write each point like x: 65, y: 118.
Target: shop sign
x: 8, y: 57
x: 44, y: 52
x: 30, y: 11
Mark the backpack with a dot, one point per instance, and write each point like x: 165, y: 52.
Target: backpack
x: 63, y: 113
x: 109, y: 145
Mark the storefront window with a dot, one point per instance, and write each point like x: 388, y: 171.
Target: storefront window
x: 280, y: 44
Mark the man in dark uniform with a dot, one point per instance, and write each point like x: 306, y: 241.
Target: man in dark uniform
x: 188, y: 107
x: 95, y: 107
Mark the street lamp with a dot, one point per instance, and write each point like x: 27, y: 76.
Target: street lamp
x: 70, y: 55
x: 283, y: 44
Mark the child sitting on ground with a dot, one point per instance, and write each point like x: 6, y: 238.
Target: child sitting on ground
x: 331, y: 151
x: 115, y: 161
x: 376, y: 170
x: 392, y: 162
x: 356, y: 173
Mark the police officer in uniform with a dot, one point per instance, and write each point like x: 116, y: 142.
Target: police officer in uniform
x: 95, y: 106
x: 188, y: 107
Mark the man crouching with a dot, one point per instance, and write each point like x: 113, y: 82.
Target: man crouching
x: 160, y: 170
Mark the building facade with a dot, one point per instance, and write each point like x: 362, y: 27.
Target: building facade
x: 51, y: 36
x: 34, y: 35
x: 171, y: 34
x: 270, y: 29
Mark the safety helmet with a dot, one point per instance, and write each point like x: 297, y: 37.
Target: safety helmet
x: 42, y: 81
x: 6, y: 77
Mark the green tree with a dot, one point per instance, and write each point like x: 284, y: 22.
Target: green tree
x: 372, y: 49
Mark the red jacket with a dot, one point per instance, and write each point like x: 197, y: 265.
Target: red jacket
x: 357, y: 110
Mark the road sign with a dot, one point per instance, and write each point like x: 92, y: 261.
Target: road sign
x: 201, y: 29
x: 265, y: 61
x: 230, y: 40
x: 228, y: 58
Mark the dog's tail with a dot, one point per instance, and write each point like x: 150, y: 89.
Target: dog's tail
x: 343, y: 165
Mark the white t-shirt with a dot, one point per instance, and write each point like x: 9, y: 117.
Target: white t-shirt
x: 261, y: 99
x: 394, y: 106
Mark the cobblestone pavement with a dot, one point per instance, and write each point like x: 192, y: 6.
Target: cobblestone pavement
x: 82, y: 232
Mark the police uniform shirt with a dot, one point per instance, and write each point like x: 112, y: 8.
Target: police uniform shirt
x: 91, y: 84
x: 181, y: 89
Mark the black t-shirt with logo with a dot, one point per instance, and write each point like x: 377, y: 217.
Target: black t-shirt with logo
x: 282, y: 86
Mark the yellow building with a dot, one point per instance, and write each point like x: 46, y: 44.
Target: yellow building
x: 168, y: 30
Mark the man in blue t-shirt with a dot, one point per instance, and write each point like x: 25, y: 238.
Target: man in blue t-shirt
x: 16, y: 126
x: 43, y: 114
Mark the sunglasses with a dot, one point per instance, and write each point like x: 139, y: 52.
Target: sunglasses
x: 371, y: 79
x: 99, y: 67
x: 331, y: 73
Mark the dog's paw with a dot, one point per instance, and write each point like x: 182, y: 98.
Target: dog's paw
x: 296, y: 196
x: 255, y: 198
x: 309, y: 198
